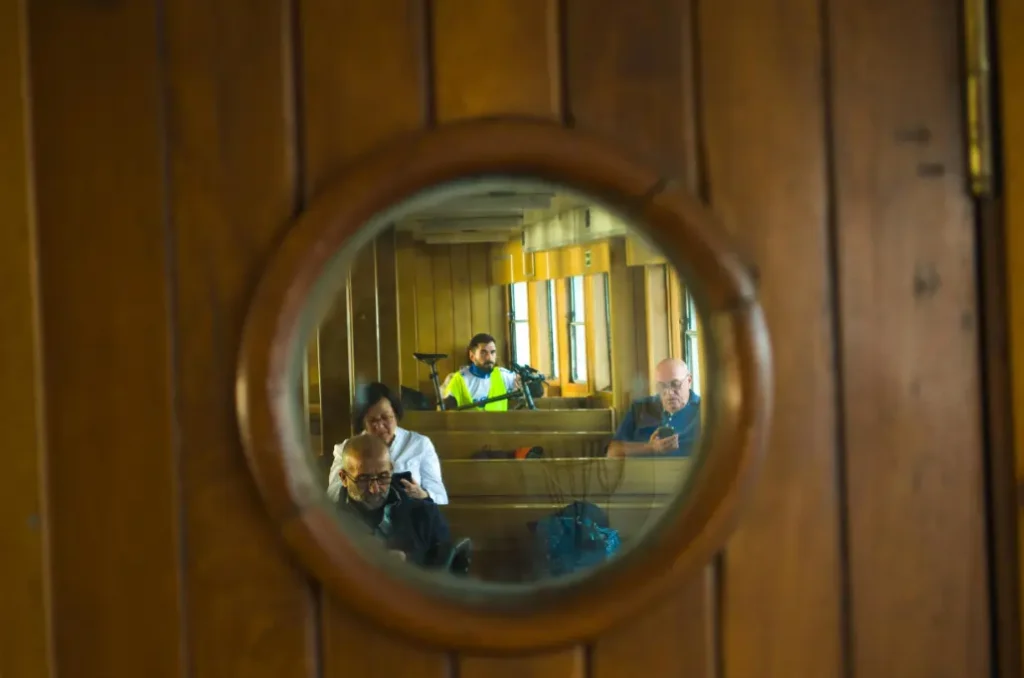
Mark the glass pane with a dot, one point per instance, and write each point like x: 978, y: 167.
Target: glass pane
x: 694, y: 362
x: 520, y: 302
x: 464, y: 319
x: 553, y: 328
x: 579, y: 352
x: 579, y: 311
x: 690, y: 314
x: 522, y: 344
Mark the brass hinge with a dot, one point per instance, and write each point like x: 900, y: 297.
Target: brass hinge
x: 978, y: 93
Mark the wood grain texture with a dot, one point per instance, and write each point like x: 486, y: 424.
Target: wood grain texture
x: 347, y: 111
x: 405, y: 262
x: 108, y: 339
x: 25, y: 640
x: 630, y: 72
x: 500, y: 57
x: 1009, y: 24
x: 762, y: 109
x: 364, y: 329
x: 564, y: 664
x: 907, y: 284
x: 496, y: 57
x: 387, y: 309
x: 249, y: 610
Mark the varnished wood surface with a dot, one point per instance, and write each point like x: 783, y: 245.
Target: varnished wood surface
x: 231, y: 201
x: 762, y: 106
x: 519, y: 420
x: 1009, y: 17
x: 346, y: 112
x: 222, y: 595
x: 26, y: 645
x: 446, y: 297
x: 914, y: 461
x: 630, y: 71
x: 114, y: 497
x: 465, y: 444
x: 527, y: 479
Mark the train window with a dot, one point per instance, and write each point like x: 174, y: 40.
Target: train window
x: 519, y: 317
x: 602, y: 331
x: 512, y: 353
x: 577, y: 317
x: 552, y: 306
x: 425, y: 460
x: 691, y: 354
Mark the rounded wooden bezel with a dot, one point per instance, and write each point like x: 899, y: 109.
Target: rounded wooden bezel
x: 738, y: 388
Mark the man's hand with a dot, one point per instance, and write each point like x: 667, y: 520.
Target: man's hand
x: 663, y: 445
x: 414, y: 490
x: 396, y: 552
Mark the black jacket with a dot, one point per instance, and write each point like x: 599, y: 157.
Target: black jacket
x: 412, y: 526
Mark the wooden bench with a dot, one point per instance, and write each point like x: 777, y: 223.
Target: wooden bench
x: 558, y: 403
x: 516, y: 420
x: 494, y: 501
x: 562, y: 433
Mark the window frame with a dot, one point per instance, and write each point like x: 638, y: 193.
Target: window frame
x: 513, y: 321
x: 572, y: 304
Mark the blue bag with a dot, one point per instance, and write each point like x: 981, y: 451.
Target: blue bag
x: 573, y: 538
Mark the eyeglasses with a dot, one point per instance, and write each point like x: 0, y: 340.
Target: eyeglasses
x: 674, y: 385
x: 382, y: 419
x: 364, y: 481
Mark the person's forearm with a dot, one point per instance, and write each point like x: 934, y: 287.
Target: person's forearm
x: 620, y: 448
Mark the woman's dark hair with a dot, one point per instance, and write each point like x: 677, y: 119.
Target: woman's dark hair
x: 372, y: 394
x: 477, y: 341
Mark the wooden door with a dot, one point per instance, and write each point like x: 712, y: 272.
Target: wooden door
x: 155, y: 152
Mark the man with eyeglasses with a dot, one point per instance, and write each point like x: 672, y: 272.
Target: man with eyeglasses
x: 662, y: 425
x: 411, y: 528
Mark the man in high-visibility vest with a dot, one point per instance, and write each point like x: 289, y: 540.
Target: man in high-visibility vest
x: 481, y: 379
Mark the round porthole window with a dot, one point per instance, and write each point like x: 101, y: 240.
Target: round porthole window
x: 500, y: 386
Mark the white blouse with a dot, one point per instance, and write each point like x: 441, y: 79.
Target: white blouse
x: 410, y: 453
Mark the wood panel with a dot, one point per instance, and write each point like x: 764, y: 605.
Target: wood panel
x: 656, y: 307
x: 232, y: 201
x: 516, y: 420
x: 426, y: 338
x: 762, y: 110
x: 500, y: 480
x: 480, y: 294
x: 496, y: 57
x: 464, y: 444
x: 462, y: 293
x: 25, y: 640
x: 451, y: 293
x: 364, y: 357
x: 1008, y: 26
x: 640, y: 384
x: 558, y: 403
x: 907, y: 283
x: 630, y: 78
x: 100, y: 185
x: 387, y: 309
x: 407, y: 306
x: 444, y: 310
x: 499, y: 57
x: 346, y: 112
x: 493, y: 525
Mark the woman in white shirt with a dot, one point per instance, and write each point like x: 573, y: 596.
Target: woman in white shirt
x: 411, y: 452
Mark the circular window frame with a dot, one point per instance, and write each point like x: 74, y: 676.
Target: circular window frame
x: 692, y: 529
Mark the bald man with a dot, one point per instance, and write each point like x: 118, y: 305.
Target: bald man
x: 663, y: 425
x: 371, y: 493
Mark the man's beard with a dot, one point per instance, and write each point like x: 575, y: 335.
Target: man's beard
x: 372, y: 502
